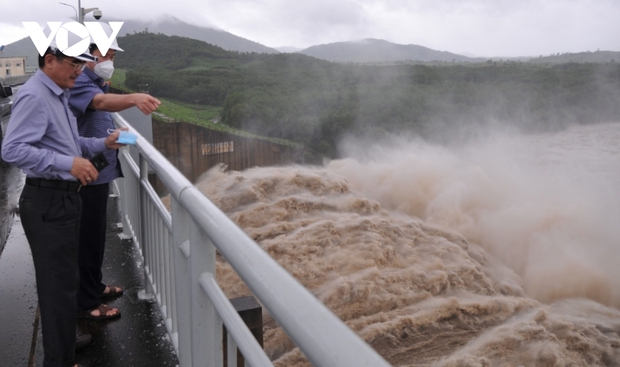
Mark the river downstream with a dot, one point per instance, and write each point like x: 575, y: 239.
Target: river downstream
x: 500, y: 252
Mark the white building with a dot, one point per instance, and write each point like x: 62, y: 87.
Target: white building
x: 12, y: 66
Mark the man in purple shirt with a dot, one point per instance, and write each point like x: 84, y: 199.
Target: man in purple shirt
x: 42, y: 139
x: 92, y: 107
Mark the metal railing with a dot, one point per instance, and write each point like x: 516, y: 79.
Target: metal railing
x: 15, y: 80
x: 179, y: 253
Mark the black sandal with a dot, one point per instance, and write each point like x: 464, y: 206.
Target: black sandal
x: 103, y: 313
x: 114, y: 292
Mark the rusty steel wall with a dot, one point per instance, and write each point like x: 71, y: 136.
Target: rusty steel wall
x: 194, y: 149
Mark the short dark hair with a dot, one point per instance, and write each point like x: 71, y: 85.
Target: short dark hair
x: 49, y: 51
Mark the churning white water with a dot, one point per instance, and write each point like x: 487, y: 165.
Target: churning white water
x: 502, y: 252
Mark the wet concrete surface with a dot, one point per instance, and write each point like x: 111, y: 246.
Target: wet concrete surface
x: 137, y: 338
x: 10, y: 187
x: 18, y: 299
x: 10, y: 177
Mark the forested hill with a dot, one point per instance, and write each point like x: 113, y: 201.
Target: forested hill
x: 172, y: 26
x: 596, y: 56
x: 375, y: 51
x: 158, y: 51
x: 317, y: 102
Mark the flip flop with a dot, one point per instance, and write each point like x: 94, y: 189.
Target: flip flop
x: 103, y: 313
x: 115, y: 291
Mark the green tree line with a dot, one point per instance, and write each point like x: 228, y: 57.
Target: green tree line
x: 316, y: 102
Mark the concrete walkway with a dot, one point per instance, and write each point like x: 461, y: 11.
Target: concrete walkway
x: 138, y: 338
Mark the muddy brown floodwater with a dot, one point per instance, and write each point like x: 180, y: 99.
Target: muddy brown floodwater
x: 504, y: 252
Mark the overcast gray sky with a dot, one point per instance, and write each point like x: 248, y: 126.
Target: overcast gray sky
x: 472, y: 27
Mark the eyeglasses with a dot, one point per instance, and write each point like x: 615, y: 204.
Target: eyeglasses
x: 76, y: 65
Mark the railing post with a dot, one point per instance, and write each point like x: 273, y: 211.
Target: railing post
x: 144, y: 175
x: 181, y: 250
x: 251, y: 313
x: 206, y: 323
x: 121, y: 184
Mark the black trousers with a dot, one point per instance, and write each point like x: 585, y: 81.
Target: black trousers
x: 92, y: 244
x: 51, y: 221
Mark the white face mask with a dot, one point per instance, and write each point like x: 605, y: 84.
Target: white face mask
x: 105, y: 69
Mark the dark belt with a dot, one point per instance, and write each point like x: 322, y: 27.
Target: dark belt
x: 54, y: 184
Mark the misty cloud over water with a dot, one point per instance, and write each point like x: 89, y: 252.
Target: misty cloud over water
x: 547, y: 205
x: 500, y: 252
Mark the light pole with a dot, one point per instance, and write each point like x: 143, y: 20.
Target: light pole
x: 77, y: 19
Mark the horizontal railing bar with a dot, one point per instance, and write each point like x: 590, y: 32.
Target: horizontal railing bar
x: 250, y: 349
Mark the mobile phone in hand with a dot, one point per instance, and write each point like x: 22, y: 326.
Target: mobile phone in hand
x: 99, y: 161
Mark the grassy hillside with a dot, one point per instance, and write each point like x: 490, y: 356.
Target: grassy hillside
x: 172, y: 110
